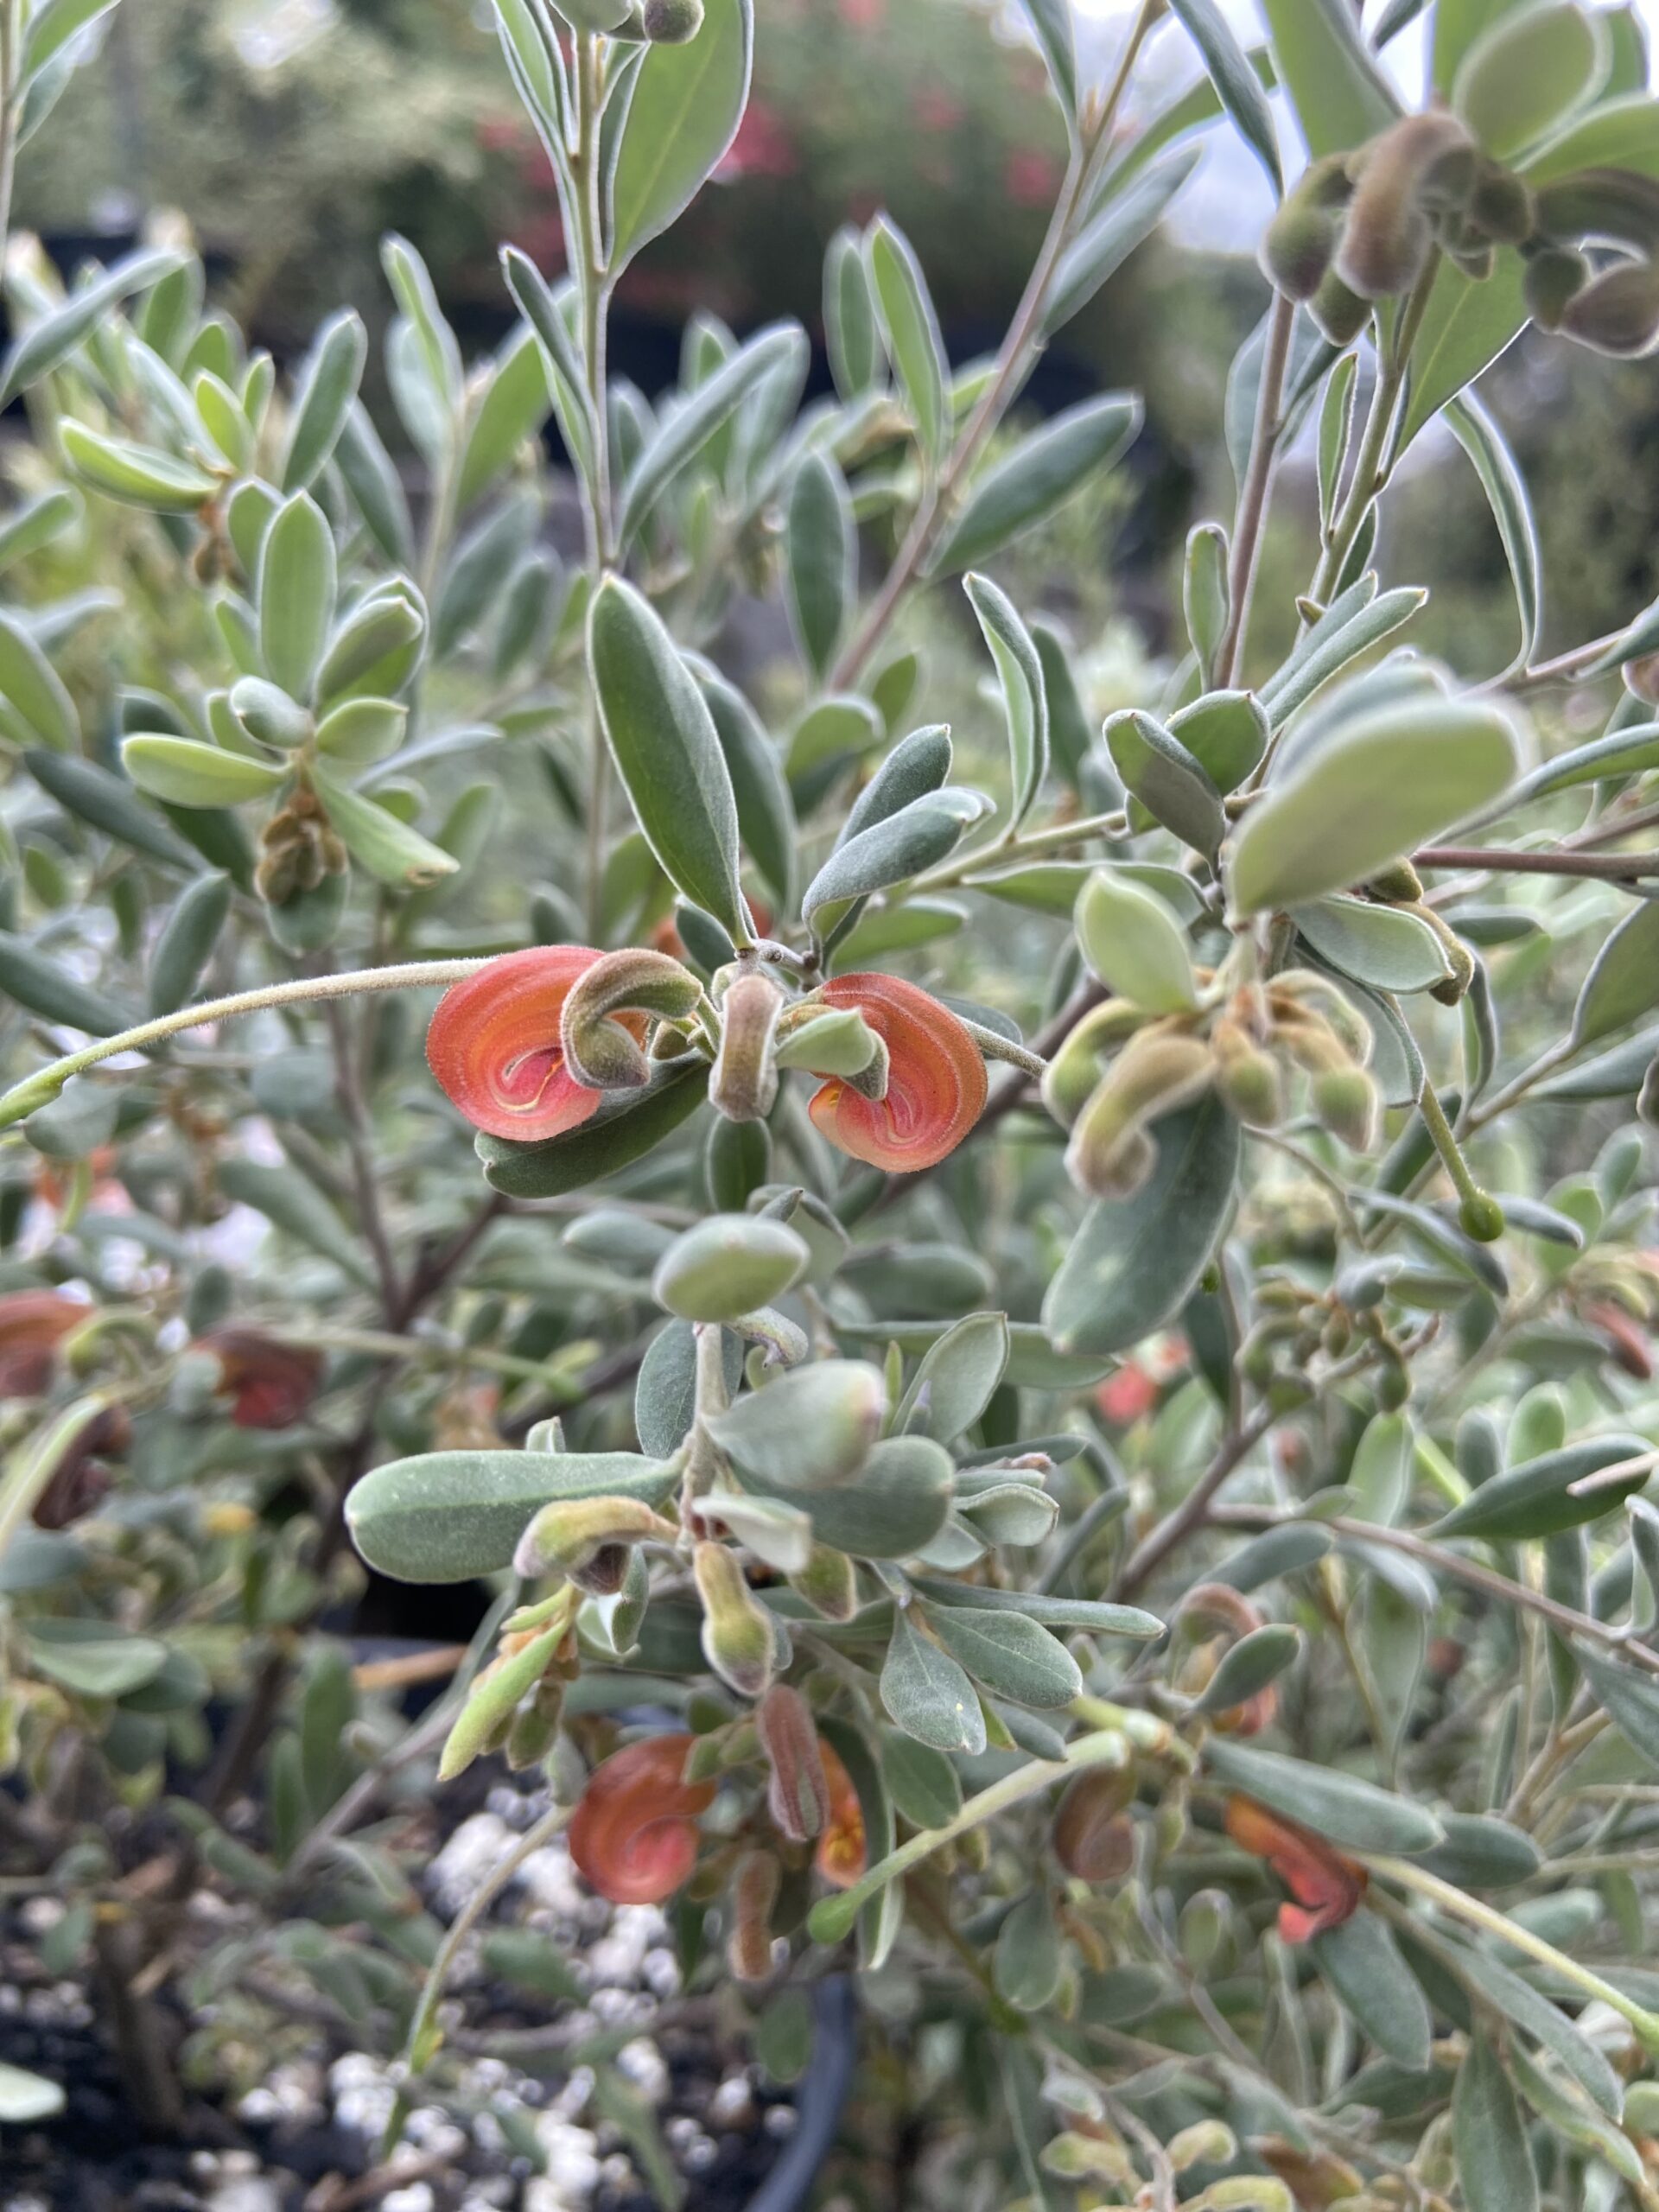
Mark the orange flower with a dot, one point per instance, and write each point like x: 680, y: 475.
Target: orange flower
x: 31, y: 1323
x: 269, y: 1384
x: 495, y: 1046
x: 841, y: 1853
x: 633, y: 1836
x: 1326, y: 1887
x: 936, y: 1079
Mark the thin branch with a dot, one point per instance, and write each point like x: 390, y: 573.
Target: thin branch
x: 1252, y: 511
x: 1611, y: 867
x: 1194, y: 1509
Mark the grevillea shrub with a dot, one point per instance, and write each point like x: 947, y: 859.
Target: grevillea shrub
x: 1045, y: 1390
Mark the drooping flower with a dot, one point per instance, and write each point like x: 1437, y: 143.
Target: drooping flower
x: 494, y: 1045
x: 936, y: 1078
x: 32, y: 1323
x: 268, y: 1384
x: 633, y: 1836
x: 1326, y: 1887
x: 842, y: 1852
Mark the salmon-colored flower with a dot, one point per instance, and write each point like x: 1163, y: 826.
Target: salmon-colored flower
x: 495, y: 1046
x: 32, y: 1323
x: 633, y: 1836
x: 268, y: 1384
x: 842, y: 1852
x: 1326, y: 1887
x: 936, y: 1078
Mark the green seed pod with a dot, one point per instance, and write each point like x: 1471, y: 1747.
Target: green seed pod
x: 598, y: 1050
x: 1501, y: 206
x: 1482, y: 1217
x: 672, y: 22
x: 1422, y: 166
x: 1110, y: 1154
x: 1346, y: 1102
x: 1616, y: 313
x: 727, y: 1266
x: 744, y: 1084
x: 1301, y: 238
x: 739, y: 1639
x: 1340, y: 314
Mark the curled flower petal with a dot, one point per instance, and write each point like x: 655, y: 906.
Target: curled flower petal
x: 494, y: 1045
x: 633, y: 1836
x: 31, y: 1324
x: 936, y: 1081
x: 1326, y: 1888
x: 268, y: 1384
x: 842, y: 1852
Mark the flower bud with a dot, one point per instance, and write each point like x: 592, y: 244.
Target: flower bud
x: 1616, y: 313
x: 1339, y: 313
x: 1110, y: 1154
x: 1553, y: 278
x: 586, y: 1538
x: 672, y: 22
x: 1076, y: 1067
x: 1205, y: 593
x: 1301, y: 238
x: 600, y: 1051
x: 1501, y: 206
x: 1399, y: 884
x: 754, y: 1893
x: 1247, y: 1077
x: 745, y: 1081
x: 797, y: 1792
x: 1093, y: 1836
x: 1346, y: 1100
x: 1421, y: 166
x: 829, y: 1582
x: 534, y: 1728
x: 739, y: 1639
x: 633, y: 1836
x: 727, y: 1266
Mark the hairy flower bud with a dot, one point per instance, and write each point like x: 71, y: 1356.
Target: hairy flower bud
x: 1616, y: 313
x: 739, y: 1640
x: 1076, y: 1067
x: 1339, y: 312
x: 1481, y: 1217
x: 1501, y: 206
x: 1110, y: 1154
x: 797, y: 1792
x: 633, y: 1835
x: 1247, y: 1077
x: 1399, y: 884
x: 1093, y: 1837
x: 754, y: 1893
x: 1553, y: 278
x: 728, y: 1265
x: 1420, y: 166
x: 672, y: 22
x: 586, y: 1538
x: 935, y: 1087
x: 829, y: 1582
x: 601, y: 1051
x: 1346, y: 1102
x: 1301, y: 240
x: 745, y: 1081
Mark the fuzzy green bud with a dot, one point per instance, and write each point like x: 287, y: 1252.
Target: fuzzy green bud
x: 1421, y: 166
x: 829, y: 1582
x: 1501, y: 206
x: 586, y: 1538
x: 1301, y: 238
x: 598, y: 1051
x: 1345, y: 1101
x: 672, y: 22
x: 1247, y: 1077
x: 1399, y: 884
x: 1339, y: 312
x: 739, y: 1639
x: 744, y: 1083
x: 1553, y: 278
x: 1110, y: 1154
x: 1616, y: 313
